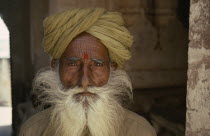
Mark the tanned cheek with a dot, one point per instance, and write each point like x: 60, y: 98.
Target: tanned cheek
x: 64, y: 79
x: 65, y: 76
x: 70, y: 79
x: 100, y: 76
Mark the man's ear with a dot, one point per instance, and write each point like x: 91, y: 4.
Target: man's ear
x: 54, y: 63
x: 114, y: 65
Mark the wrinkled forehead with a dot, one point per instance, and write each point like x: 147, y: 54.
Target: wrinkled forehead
x: 86, y: 45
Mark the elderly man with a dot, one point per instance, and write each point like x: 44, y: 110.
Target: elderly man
x: 85, y: 86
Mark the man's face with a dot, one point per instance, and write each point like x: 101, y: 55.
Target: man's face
x: 84, y: 63
x: 93, y: 95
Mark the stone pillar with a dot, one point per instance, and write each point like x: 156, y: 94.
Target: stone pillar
x: 38, y: 11
x: 198, y: 86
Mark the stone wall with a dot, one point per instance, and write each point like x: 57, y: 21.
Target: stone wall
x: 160, y: 47
x: 198, y: 96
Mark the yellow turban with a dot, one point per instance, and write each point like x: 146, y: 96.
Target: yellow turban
x: 108, y: 27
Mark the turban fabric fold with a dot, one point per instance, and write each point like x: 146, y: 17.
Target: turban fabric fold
x: 108, y: 27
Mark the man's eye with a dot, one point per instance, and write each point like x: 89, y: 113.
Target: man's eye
x: 98, y: 64
x: 72, y: 63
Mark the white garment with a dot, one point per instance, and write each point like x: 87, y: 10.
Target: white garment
x: 134, y: 125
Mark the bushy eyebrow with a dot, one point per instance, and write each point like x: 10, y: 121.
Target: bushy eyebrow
x: 97, y: 60
x: 73, y: 59
x: 78, y: 59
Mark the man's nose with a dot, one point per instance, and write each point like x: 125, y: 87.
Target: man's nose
x: 85, y: 80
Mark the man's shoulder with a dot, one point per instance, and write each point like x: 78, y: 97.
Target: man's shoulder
x: 39, y: 120
x: 137, y: 119
x: 138, y: 124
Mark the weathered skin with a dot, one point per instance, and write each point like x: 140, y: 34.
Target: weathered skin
x: 80, y: 64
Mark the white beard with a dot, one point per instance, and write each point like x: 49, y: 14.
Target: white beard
x: 102, y: 115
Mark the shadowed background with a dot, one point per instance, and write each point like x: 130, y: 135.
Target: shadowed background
x: 158, y: 68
